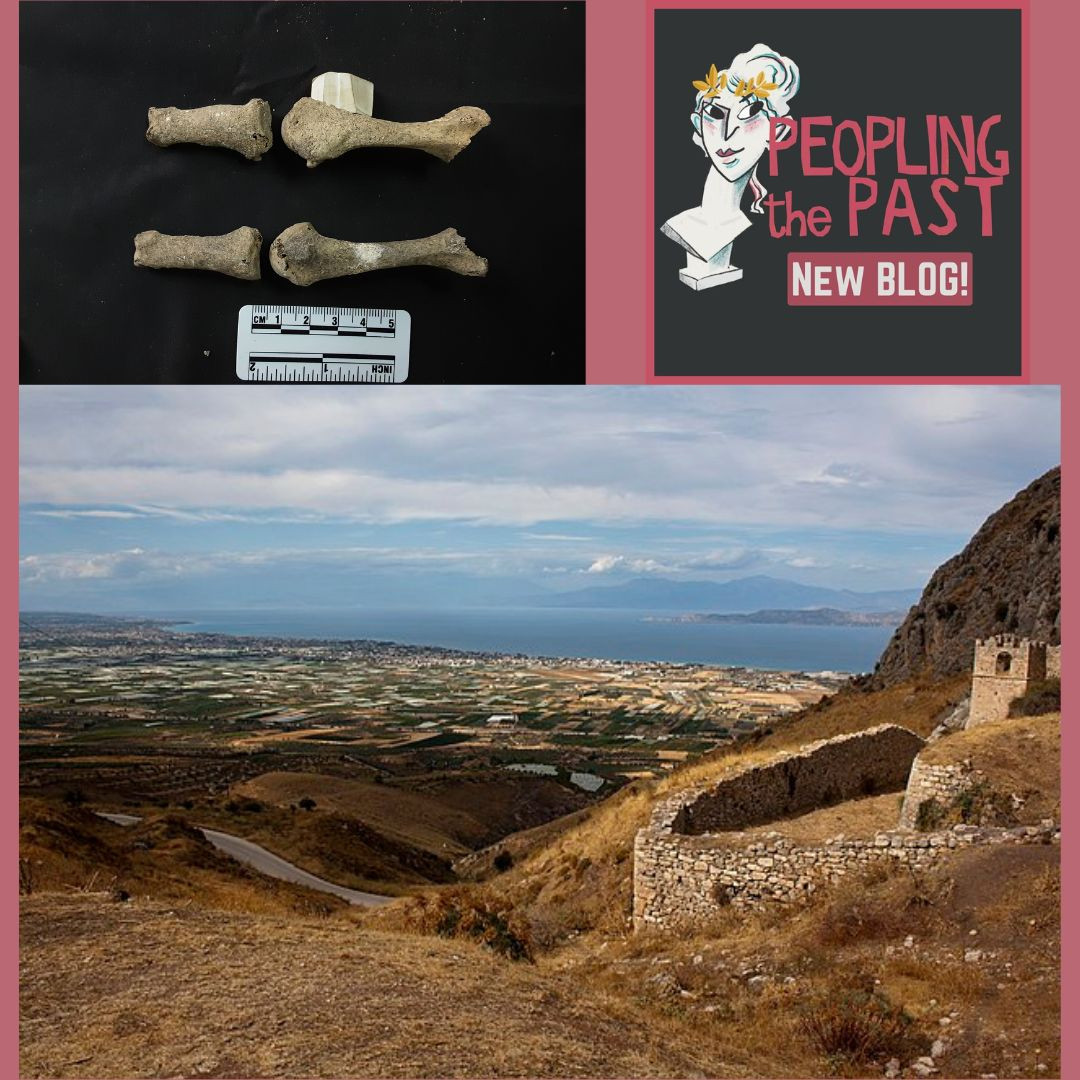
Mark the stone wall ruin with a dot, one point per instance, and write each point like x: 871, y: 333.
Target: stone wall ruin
x: 691, y: 861
x: 824, y: 773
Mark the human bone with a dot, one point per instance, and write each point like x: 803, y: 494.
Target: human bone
x: 243, y: 128
x: 320, y: 130
x: 304, y: 256
x: 234, y: 253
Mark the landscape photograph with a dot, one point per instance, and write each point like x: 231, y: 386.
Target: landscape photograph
x: 540, y: 731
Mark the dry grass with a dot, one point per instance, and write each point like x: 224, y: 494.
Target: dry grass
x: 465, y: 912
x: 857, y: 1028
x: 146, y: 989
x: 855, y: 817
x: 918, y: 705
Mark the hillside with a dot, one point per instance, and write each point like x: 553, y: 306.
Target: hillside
x: 445, y: 816
x: 146, y: 989
x: 70, y: 849
x: 1007, y: 579
x: 382, y: 836
x: 1020, y: 756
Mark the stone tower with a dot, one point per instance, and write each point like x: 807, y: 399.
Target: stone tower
x: 1005, y: 666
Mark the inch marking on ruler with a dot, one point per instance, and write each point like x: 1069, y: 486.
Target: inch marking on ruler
x: 294, y: 344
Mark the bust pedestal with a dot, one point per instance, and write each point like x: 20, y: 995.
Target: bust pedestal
x: 699, y: 274
x: 707, y: 240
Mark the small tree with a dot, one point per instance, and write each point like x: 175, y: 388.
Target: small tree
x: 307, y: 804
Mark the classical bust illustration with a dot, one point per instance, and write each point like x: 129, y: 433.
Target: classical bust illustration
x: 731, y: 126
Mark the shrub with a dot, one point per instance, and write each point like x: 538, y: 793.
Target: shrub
x: 721, y: 894
x: 929, y: 815
x: 503, y: 861
x: 980, y: 804
x: 74, y: 797
x: 471, y: 914
x: 886, y: 902
x: 307, y: 804
x: 1038, y: 699
x: 857, y: 1027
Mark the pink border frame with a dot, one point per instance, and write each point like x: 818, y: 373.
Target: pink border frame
x: 619, y: 328
x: 618, y: 223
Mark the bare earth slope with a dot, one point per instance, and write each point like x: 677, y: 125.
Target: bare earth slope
x: 1007, y: 580
x: 145, y: 989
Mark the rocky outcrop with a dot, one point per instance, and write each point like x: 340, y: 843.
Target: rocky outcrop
x: 1007, y: 580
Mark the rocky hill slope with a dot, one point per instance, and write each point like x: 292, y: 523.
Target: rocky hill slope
x: 1007, y: 580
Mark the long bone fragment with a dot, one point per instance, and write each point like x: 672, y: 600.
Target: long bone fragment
x: 304, y: 256
x: 243, y: 128
x: 337, y: 118
x: 234, y: 253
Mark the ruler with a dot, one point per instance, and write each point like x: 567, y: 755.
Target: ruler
x: 322, y: 344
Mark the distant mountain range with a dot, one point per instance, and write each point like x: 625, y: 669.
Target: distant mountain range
x: 802, y: 617
x: 746, y: 595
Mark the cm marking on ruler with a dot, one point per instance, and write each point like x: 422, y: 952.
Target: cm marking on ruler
x: 322, y: 344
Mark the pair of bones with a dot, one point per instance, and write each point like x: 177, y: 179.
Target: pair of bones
x: 302, y: 255
x: 335, y: 119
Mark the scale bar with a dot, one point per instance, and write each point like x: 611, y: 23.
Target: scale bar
x: 322, y: 344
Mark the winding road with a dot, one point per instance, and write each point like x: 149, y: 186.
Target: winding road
x: 266, y: 862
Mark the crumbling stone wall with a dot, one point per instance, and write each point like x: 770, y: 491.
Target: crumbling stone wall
x: 687, y: 867
x: 940, y: 782
x: 830, y: 771
x: 679, y: 880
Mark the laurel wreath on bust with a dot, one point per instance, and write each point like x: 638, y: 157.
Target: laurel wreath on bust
x: 715, y: 81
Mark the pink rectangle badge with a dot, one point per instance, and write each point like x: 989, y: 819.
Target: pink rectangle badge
x: 879, y: 279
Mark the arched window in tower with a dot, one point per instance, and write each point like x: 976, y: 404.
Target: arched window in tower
x: 1004, y: 663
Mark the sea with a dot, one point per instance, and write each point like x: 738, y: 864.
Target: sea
x: 576, y: 633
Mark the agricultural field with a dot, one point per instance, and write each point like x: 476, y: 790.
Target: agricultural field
x: 160, y: 712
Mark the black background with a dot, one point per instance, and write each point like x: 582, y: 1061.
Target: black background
x: 852, y: 64
x: 90, y: 182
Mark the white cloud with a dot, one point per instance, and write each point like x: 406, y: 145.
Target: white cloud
x: 123, y: 515
x: 895, y: 458
x: 605, y: 564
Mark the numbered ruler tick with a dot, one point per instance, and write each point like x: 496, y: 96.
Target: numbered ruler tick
x: 322, y: 344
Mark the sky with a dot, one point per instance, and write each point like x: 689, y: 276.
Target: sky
x: 148, y: 499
